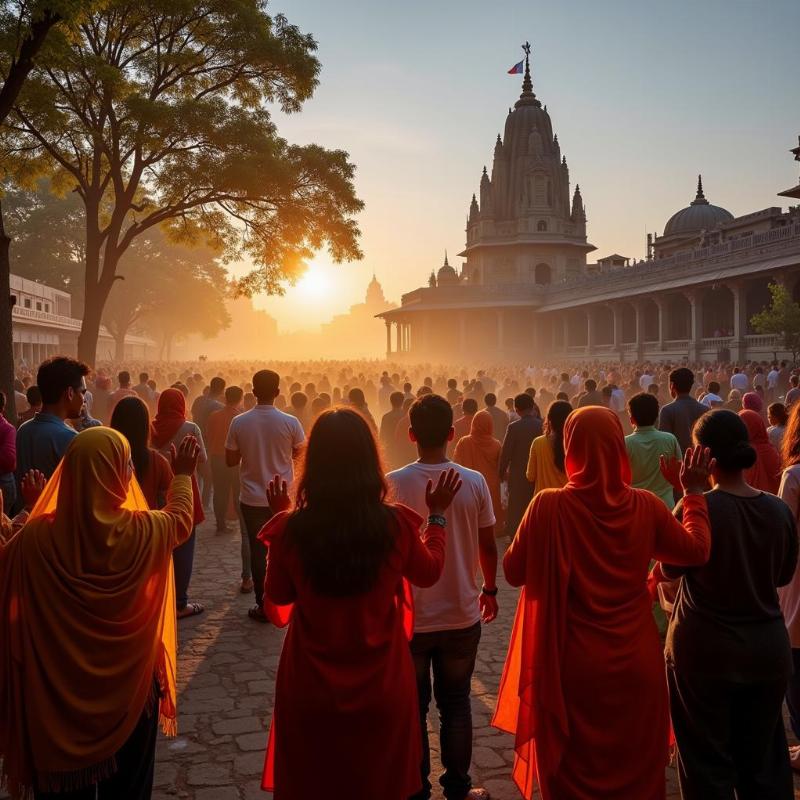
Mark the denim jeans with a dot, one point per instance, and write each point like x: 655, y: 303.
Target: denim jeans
x: 255, y: 517
x: 183, y: 562
x: 451, y: 655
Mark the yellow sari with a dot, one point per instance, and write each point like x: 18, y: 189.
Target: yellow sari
x: 87, y: 618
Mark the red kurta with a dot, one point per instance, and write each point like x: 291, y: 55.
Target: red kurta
x: 584, y: 687
x: 346, y: 716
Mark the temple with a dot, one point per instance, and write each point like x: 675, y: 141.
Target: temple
x: 525, y: 289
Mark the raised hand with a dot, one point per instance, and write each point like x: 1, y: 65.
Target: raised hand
x: 187, y: 456
x: 671, y: 470
x: 696, y: 470
x: 438, y: 499
x: 278, y: 495
x: 32, y: 486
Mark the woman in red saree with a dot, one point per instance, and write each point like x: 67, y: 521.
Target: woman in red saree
x: 584, y: 688
x: 346, y: 719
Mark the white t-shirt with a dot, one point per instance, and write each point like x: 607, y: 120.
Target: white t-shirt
x: 452, y: 602
x: 772, y: 379
x: 739, y: 381
x: 266, y: 438
x: 711, y: 399
x: 646, y: 380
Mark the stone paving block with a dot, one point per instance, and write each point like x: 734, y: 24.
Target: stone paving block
x: 218, y: 793
x: 237, y: 726
x: 253, y: 741
x: 209, y: 774
x: 251, y: 764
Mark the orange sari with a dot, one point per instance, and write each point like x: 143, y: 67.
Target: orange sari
x: 481, y: 451
x: 584, y: 689
x: 87, y: 618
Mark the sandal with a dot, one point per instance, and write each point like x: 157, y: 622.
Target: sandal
x: 257, y: 613
x: 190, y: 610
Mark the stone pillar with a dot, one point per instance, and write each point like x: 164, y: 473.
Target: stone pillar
x: 696, y: 332
x: 662, y: 321
x: 616, y: 310
x: 739, y: 343
x: 638, y: 307
x: 388, y: 338
x: 399, y: 335
x: 591, y: 333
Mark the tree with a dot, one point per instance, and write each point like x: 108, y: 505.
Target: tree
x: 157, y: 113
x: 24, y: 27
x: 781, y: 319
x: 156, y: 278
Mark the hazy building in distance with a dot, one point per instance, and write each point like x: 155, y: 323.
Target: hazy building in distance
x: 525, y: 289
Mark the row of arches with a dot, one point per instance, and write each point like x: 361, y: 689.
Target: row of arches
x: 717, y: 305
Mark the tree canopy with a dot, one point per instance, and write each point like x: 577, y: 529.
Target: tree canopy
x: 781, y: 318
x: 160, y: 113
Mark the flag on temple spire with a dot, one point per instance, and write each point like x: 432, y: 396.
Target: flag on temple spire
x: 517, y: 69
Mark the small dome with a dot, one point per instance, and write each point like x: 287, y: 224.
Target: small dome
x: 446, y: 274
x: 697, y: 216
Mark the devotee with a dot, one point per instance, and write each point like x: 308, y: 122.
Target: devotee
x: 83, y: 697
x: 168, y: 429
x: 727, y: 651
x: 793, y: 395
x: 480, y: 451
x: 463, y: 425
x: 33, y: 397
x: 388, y: 427
x: 123, y: 390
x: 765, y: 473
x: 545, y: 468
x: 712, y: 399
x: 202, y: 408
x: 777, y: 417
x: 590, y: 396
x: 500, y: 419
x: 145, y: 392
x: 585, y: 658
x: 739, y: 380
x: 358, y: 401
x: 8, y: 458
x: 102, y: 398
x: 340, y: 556
x: 646, y: 446
x: 679, y: 416
x: 42, y: 441
x: 514, y: 460
x: 734, y: 401
x: 153, y: 471
x: 789, y: 595
x: 448, y: 615
x: 297, y: 407
x: 264, y: 440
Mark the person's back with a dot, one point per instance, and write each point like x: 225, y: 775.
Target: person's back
x: 679, y: 416
x: 500, y: 419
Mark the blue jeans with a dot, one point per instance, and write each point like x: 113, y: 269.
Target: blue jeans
x: 182, y: 563
x: 451, y: 655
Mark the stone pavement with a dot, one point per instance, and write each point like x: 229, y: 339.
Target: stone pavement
x: 226, y: 675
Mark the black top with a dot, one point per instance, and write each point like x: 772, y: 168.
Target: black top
x: 679, y: 417
x: 727, y: 622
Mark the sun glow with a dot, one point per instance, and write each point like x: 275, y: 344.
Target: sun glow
x: 315, y: 284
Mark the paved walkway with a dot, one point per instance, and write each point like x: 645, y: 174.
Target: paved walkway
x: 226, y: 674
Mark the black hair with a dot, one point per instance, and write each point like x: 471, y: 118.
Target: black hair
x: 33, y: 395
x: 470, y: 406
x: 143, y: 377
x: 682, y: 379
x: 523, y: 402
x: 590, y: 385
x: 713, y: 387
x: 266, y: 385
x: 234, y: 394
x: 643, y: 408
x: 431, y: 420
x: 217, y: 386
x: 490, y: 399
x: 132, y: 419
x: 58, y: 374
x: 299, y: 400
x: 725, y: 433
x: 124, y: 377
x: 557, y: 414
x: 396, y: 399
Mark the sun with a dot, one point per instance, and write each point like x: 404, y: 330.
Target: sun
x: 315, y: 284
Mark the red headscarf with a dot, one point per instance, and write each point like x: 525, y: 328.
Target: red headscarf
x: 597, y: 499
x: 170, y: 416
x: 765, y: 474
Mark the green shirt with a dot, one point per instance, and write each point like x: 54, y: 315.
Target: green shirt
x: 645, y: 447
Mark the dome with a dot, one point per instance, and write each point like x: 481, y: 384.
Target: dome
x: 446, y: 274
x: 697, y: 216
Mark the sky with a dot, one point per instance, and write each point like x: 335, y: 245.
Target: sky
x: 643, y: 94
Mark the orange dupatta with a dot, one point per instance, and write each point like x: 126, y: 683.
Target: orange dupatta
x: 87, y: 619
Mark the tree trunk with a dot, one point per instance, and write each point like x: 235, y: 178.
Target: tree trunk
x: 90, y: 327
x: 6, y: 337
x: 119, y: 347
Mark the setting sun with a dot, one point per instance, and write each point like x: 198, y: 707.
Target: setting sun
x: 315, y: 283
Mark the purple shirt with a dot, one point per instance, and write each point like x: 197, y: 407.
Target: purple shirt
x: 8, y: 447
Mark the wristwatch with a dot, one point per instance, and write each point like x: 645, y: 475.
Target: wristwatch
x: 437, y: 519
x: 489, y: 592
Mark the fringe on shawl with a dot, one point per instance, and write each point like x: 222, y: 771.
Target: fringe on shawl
x: 70, y: 781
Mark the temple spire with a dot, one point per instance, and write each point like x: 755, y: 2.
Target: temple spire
x: 527, y: 97
x: 445, y: 258
x: 700, y: 199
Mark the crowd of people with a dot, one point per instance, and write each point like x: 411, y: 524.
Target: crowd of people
x: 647, y: 511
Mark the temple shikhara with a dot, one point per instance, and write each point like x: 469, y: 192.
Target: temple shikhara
x: 526, y: 289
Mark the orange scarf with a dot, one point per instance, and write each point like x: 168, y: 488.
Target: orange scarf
x: 87, y: 619
x: 481, y: 451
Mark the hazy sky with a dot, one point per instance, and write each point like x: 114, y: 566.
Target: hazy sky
x: 643, y: 94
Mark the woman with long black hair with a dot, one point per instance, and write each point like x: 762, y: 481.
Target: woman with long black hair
x: 345, y: 722
x: 546, y: 462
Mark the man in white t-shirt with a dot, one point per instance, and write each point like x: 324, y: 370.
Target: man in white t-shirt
x: 448, y: 615
x: 739, y: 380
x: 264, y: 441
